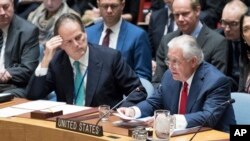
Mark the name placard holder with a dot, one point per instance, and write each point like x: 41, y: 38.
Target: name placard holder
x: 80, y: 127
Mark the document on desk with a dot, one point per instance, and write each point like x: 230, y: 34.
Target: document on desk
x: 67, y: 109
x: 9, y: 112
x: 38, y: 105
x: 28, y: 107
x: 129, y: 121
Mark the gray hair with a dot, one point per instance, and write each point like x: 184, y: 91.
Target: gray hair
x: 189, y: 47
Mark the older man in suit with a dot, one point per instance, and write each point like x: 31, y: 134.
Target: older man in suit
x: 214, y: 46
x: 19, y: 50
x: 81, y: 73
x: 192, y: 89
x: 131, y: 41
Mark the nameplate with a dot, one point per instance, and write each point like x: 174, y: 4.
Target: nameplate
x: 80, y: 127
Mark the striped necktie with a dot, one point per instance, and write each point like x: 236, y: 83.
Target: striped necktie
x: 1, y: 39
x: 79, y: 89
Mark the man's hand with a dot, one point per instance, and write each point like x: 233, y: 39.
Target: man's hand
x: 4, y: 76
x: 50, y: 48
x: 129, y: 112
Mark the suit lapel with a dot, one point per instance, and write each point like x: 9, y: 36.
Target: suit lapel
x: 202, y: 37
x: 94, y: 72
x: 65, y: 68
x: 175, y: 97
x: 98, y: 33
x: 195, y: 88
x: 122, y: 36
x: 11, y: 42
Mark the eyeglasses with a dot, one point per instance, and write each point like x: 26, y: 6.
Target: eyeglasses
x: 230, y: 24
x: 112, y: 6
x: 172, y: 63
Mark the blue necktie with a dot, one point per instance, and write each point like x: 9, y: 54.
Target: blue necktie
x: 79, y: 89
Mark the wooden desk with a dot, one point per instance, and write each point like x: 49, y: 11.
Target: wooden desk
x: 25, y: 129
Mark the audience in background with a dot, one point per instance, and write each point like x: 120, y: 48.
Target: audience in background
x: 161, y: 23
x: 191, y: 89
x: 214, y: 46
x: 45, y: 16
x: 19, y: 50
x: 130, y: 40
x: 130, y: 12
x: 210, y: 12
x: 244, y: 83
x: 230, y: 22
x: 81, y: 73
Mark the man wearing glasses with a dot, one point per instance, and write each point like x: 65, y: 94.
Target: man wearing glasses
x: 117, y: 33
x: 192, y: 89
x: 214, y: 46
x: 230, y: 23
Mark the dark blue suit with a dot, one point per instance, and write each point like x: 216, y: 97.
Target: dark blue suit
x: 108, y: 78
x: 209, y: 89
x: 133, y: 43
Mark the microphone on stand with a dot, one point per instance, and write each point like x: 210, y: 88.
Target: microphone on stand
x: 137, y: 89
x: 230, y: 101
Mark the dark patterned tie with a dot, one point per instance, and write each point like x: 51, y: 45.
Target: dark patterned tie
x: 1, y: 39
x: 105, y: 41
x: 171, y: 23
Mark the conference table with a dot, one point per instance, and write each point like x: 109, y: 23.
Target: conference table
x: 20, y: 128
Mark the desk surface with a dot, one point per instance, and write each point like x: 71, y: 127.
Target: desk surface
x: 25, y: 129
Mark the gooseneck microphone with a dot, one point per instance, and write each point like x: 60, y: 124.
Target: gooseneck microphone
x: 230, y: 101
x: 137, y: 89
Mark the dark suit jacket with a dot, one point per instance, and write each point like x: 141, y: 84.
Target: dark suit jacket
x: 133, y: 43
x: 158, y: 21
x: 108, y: 78
x: 209, y: 89
x: 213, y: 45
x: 21, y: 53
x: 211, y: 12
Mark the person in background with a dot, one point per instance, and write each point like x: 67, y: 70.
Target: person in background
x: 192, y: 89
x: 45, y: 16
x: 210, y: 13
x: 117, y: 33
x: 230, y: 22
x: 161, y: 23
x: 19, y: 50
x: 81, y: 73
x: 214, y: 45
x: 130, y: 12
x: 244, y: 83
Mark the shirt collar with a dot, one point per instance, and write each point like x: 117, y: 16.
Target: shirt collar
x: 83, y: 60
x: 115, y: 27
x: 197, y: 30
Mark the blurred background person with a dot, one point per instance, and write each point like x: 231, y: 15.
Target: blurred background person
x: 130, y: 12
x: 244, y: 83
x: 19, y: 50
x: 161, y: 23
x: 45, y: 16
x: 117, y: 33
x: 230, y: 22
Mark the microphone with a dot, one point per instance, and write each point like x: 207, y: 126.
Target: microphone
x: 230, y: 101
x: 137, y: 89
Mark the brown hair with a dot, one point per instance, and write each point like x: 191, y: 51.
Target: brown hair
x: 67, y: 16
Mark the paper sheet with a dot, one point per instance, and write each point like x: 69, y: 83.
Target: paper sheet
x: 9, y: 112
x: 38, y: 105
